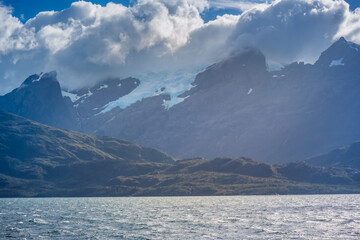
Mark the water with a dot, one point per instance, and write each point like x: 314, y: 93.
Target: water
x: 239, y: 217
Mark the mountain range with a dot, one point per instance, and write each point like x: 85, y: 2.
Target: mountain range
x: 236, y: 107
x: 37, y: 160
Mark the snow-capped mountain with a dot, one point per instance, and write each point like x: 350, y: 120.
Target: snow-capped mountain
x: 89, y: 102
x: 39, y: 98
x: 235, y: 108
x: 238, y: 108
x: 341, y: 54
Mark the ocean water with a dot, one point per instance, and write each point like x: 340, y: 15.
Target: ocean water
x: 232, y: 217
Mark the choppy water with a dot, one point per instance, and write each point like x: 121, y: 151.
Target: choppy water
x: 240, y: 217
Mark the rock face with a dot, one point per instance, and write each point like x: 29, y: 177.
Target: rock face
x: 39, y: 98
x: 236, y: 108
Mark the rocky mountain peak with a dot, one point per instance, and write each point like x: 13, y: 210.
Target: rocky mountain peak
x: 251, y: 59
x: 245, y: 69
x: 42, y: 77
x: 340, y: 54
x: 39, y: 98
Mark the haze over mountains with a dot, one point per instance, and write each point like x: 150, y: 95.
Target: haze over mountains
x: 235, y: 108
x: 38, y: 160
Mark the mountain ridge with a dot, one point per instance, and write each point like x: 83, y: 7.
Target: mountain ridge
x: 239, y: 111
x: 41, y: 161
x: 236, y: 107
x: 346, y: 157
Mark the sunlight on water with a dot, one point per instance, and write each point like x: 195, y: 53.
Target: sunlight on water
x: 240, y: 217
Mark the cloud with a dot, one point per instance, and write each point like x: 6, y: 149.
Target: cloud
x: 87, y: 42
x: 12, y: 35
x: 291, y: 30
x: 351, y: 27
x: 239, y: 4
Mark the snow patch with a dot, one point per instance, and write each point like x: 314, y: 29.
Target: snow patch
x: 86, y: 95
x: 119, y: 85
x: 173, y: 101
x: 338, y: 62
x: 276, y: 76
x: 73, y: 97
x: 103, y: 86
x: 39, y: 78
x: 250, y: 91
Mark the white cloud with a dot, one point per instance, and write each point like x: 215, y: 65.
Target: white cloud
x: 351, y: 27
x: 87, y: 42
x: 12, y: 35
x: 239, y: 4
x: 291, y: 30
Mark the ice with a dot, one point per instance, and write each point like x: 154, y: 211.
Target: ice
x: 175, y: 84
x: 338, y: 62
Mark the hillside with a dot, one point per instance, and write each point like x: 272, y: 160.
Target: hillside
x: 348, y: 156
x: 38, y: 160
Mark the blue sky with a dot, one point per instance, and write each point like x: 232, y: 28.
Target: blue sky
x: 29, y: 8
x: 25, y: 9
x: 353, y: 4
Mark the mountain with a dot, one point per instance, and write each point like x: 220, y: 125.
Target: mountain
x: 38, y: 160
x: 39, y: 98
x: 346, y: 157
x: 39, y: 154
x: 341, y: 53
x: 236, y: 107
x: 89, y: 102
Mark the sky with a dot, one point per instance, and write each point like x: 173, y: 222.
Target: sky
x: 162, y: 42
x: 25, y: 9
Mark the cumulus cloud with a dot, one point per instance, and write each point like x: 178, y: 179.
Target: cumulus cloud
x: 12, y: 34
x: 87, y: 42
x: 291, y: 30
x: 90, y: 42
